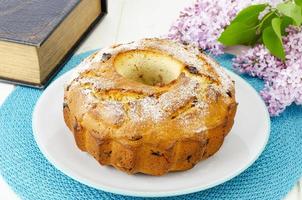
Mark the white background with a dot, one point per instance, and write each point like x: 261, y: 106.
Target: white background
x: 129, y: 20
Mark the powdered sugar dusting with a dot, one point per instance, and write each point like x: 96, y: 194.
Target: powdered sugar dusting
x: 175, y: 99
x: 98, y: 83
x: 158, y: 109
x: 146, y: 109
x: 113, y: 112
x: 197, y: 126
x: 90, y: 98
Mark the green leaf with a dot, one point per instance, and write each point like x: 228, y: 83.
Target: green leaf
x: 266, y: 20
x: 286, y: 21
x: 298, y: 2
x: 249, y: 15
x: 276, y: 25
x: 273, y: 42
x: 238, y: 33
x: 291, y: 10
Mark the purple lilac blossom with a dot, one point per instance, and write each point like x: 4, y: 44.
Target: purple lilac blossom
x: 203, y: 22
x: 283, y: 80
x: 258, y: 62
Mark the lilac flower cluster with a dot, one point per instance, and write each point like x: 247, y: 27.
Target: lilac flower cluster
x: 258, y: 62
x: 283, y: 80
x: 202, y: 24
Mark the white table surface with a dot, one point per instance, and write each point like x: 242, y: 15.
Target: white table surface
x: 128, y: 20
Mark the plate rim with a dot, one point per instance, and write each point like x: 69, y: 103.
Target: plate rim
x: 126, y: 192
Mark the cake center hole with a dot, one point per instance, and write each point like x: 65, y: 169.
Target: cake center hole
x: 148, y: 67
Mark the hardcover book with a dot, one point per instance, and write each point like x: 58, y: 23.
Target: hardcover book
x: 36, y: 37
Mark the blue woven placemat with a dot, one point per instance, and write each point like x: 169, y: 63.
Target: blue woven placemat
x: 32, y: 177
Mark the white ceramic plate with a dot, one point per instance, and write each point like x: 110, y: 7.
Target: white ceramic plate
x: 241, y: 148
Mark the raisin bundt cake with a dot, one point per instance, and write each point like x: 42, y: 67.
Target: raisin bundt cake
x: 151, y: 106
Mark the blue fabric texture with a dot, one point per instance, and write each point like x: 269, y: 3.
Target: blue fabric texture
x: 32, y: 177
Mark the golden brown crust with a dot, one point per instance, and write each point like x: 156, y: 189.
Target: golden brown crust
x: 150, y: 129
